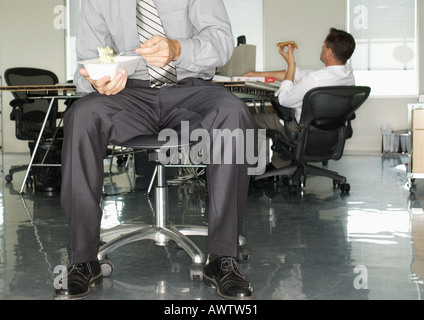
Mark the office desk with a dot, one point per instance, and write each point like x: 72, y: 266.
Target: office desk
x: 256, y: 95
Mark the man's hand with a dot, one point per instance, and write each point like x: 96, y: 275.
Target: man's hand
x: 288, y: 55
x: 107, y: 86
x: 159, y: 51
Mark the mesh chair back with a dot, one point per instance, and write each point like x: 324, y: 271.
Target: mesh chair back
x: 28, y: 113
x: 325, y: 121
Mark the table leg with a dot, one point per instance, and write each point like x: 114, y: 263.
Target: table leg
x: 36, y: 145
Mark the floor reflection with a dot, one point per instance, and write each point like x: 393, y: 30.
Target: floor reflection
x: 314, y: 245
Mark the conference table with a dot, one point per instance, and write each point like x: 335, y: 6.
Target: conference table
x: 256, y: 95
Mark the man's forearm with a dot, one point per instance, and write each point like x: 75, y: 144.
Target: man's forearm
x: 291, y: 71
x: 278, y: 75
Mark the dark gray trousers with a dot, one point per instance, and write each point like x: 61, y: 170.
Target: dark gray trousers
x: 96, y: 121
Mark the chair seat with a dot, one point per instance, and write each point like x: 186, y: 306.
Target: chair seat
x: 151, y: 142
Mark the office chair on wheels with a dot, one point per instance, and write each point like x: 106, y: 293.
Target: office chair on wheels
x: 29, y: 115
x: 324, y: 127
x: 162, y: 231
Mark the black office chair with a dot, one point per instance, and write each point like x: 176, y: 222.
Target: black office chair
x: 29, y: 115
x: 324, y: 127
x: 162, y: 231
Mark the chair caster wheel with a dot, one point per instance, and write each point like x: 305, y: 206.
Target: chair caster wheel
x: 345, y: 187
x: 107, y: 267
x: 196, y: 271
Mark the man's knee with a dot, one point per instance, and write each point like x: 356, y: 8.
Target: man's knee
x: 237, y: 110
x: 267, y: 121
x: 84, y: 110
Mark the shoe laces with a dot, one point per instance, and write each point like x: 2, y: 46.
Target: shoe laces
x: 229, y: 264
x: 79, y: 267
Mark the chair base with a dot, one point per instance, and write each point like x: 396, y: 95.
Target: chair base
x: 123, y: 235
x: 15, y: 169
x: 297, y: 176
x: 161, y: 232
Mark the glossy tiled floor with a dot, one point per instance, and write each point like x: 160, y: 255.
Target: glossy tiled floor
x: 321, y: 245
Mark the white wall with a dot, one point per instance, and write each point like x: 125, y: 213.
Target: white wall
x: 307, y: 22
x: 28, y: 38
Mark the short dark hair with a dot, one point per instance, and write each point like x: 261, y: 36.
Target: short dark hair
x: 342, y: 44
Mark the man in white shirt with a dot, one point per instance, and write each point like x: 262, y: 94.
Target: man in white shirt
x: 337, y: 49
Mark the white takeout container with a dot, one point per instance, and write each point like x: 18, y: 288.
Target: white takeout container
x: 97, y: 70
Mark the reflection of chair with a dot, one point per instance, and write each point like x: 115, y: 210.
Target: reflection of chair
x: 324, y: 127
x: 162, y: 231
x: 29, y: 114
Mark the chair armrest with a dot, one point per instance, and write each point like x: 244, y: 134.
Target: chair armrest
x: 283, y: 112
x: 286, y: 114
x: 349, y: 133
x: 19, y: 102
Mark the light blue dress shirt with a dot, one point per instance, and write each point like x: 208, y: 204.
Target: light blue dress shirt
x: 201, y: 26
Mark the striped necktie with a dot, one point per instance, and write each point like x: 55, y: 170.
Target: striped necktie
x: 149, y: 24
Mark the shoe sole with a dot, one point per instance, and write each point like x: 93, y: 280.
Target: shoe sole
x: 211, y: 283
x: 93, y: 282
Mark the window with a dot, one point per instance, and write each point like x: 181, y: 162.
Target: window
x: 386, y: 56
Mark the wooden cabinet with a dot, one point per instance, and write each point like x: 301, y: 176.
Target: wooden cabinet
x: 416, y: 136
x: 417, y: 140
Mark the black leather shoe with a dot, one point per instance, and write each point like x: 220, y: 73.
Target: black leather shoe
x: 224, y: 275
x: 80, y: 278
